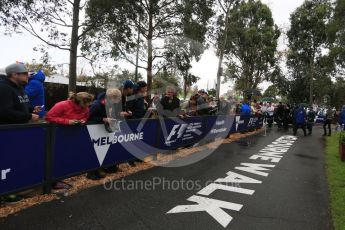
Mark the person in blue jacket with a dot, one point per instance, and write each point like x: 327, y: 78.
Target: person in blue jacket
x: 245, y: 109
x: 300, y: 118
x: 342, y: 117
x: 35, y: 90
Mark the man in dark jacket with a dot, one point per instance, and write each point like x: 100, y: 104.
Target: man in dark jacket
x: 169, y: 105
x: 14, y: 102
x: 328, y: 121
x: 310, y: 120
x: 139, y: 104
x: 280, y: 115
x: 202, y: 105
x: 35, y: 91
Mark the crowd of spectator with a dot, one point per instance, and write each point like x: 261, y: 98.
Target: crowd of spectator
x: 22, y: 101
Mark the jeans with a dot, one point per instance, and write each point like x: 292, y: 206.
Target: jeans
x: 302, y: 126
x: 327, y: 123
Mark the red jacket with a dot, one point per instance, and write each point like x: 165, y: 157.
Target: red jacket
x: 65, y: 111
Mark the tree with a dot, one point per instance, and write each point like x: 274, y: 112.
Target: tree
x: 43, y: 64
x: 55, y: 23
x: 251, y: 45
x: 157, y: 21
x: 336, y: 33
x: 219, y: 32
x: 164, y: 79
x: 272, y: 91
x: 307, y: 44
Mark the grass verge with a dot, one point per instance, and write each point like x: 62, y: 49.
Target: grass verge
x: 336, y: 181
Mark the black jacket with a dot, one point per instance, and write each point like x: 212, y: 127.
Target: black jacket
x: 98, y: 110
x: 14, y: 103
x: 139, y: 107
x: 169, y: 107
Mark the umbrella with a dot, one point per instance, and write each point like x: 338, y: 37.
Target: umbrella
x: 267, y: 99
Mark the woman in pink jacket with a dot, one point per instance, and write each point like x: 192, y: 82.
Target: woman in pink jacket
x: 73, y: 111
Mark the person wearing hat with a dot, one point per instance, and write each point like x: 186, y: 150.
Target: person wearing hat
x: 35, y: 90
x: 14, y: 102
x: 139, y: 104
x: 127, y: 89
x: 202, y: 104
x: 169, y: 105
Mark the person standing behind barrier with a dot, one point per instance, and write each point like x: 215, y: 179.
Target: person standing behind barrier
x: 35, y: 91
x: 299, y: 120
x: 74, y: 111
x: 110, y: 100
x: 245, y: 109
x: 169, y: 105
x: 139, y: 104
x: 202, y: 105
x: 14, y: 102
x: 328, y: 121
x: 14, y: 105
x: 224, y: 106
x: 342, y: 118
x: 127, y: 90
x: 310, y: 120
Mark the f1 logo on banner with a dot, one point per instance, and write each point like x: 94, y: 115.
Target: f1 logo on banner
x: 4, y: 173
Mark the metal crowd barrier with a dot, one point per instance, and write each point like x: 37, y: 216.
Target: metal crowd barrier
x: 33, y: 155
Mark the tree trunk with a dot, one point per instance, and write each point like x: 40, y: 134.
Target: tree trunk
x: 221, y: 54
x: 72, y: 87
x: 150, y: 52
x: 311, y: 83
x: 185, y: 88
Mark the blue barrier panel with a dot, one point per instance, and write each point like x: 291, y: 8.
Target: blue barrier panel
x: 218, y: 126
x: 177, y: 133
x: 22, y: 156
x: 80, y: 149
x: 245, y: 123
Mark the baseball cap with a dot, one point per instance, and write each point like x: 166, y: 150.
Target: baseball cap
x: 127, y: 84
x: 141, y: 84
x: 16, y: 68
x: 202, y: 91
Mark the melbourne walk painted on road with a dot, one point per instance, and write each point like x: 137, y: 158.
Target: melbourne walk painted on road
x: 272, y: 153
x: 262, y: 182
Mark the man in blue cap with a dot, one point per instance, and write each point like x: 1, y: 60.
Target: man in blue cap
x: 127, y: 89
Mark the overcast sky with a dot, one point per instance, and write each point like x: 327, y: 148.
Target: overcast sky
x: 19, y: 47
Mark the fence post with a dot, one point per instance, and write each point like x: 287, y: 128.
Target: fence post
x: 49, y: 149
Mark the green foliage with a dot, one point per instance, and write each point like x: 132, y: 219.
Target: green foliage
x: 251, y: 45
x: 307, y: 44
x: 336, y: 32
x: 164, y: 79
x: 335, y: 176
x: 272, y: 91
x: 179, y: 24
x: 212, y: 92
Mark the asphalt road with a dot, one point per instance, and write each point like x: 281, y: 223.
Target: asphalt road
x: 293, y: 195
